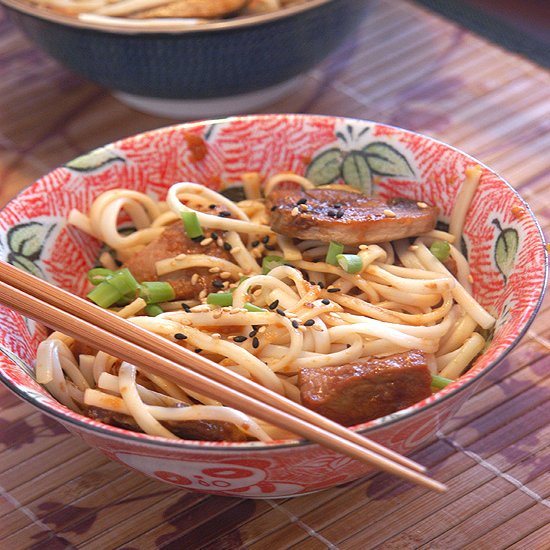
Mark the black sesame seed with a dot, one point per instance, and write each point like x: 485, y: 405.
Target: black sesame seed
x: 269, y: 247
x: 180, y: 336
x: 254, y: 244
x: 301, y: 201
x: 255, y: 342
x: 273, y: 304
x: 217, y: 283
x: 273, y: 208
x: 239, y: 338
x: 325, y: 301
x: 227, y: 246
x: 280, y: 312
x: 185, y: 307
x: 295, y: 323
x: 198, y: 350
x: 211, y: 206
x: 265, y: 240
x: 198, y: 238
x: 334, y: 289
x: 331, y: 213
x: 224, y: 214
x: 214, y: 235
x: 309, y: 322
x: 320, y: 284
x: 252, y: 333
x: 337, y: 205
x: 118, y: 262
x: 340, y: 214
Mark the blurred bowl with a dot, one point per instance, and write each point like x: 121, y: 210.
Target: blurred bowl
x: 503, y: 242
x: 195, y: 71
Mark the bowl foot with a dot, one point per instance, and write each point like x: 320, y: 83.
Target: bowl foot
x: 192, y: 109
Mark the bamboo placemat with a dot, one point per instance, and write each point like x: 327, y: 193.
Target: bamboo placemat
x: 406, y: 66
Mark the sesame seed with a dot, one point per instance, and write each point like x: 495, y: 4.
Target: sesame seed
x: 181, y: 256
x: 180, y: 336
x: 261, y: 330
x: 185, y: 307
x: 194, y: 278
x: 257, y: 292
x: 216, y: 335
x: 225, y: 274
x: 217, y: 313
x: 280, y: 312
x: 325, y: 301
x: 252, y: 333
x: 309, y: 323
x: 239, y: 339
x: 301, y: 201
x: 219, y: 242
x: 254, y: 244
x: 337, y: 205
x: 363, y: 247
x: 207, y: 241
x: 304, y: 207
x: 198, y: 350
x: 227, y: 246
x: 331, y: 213
x: 389, y: 213
x: 224, y: 214
x: 294, y: 212
x: 269, y: 247
x: 273, y: 208
x: 217, y: 283
x: 202, y: 294
x: 198, y: 238
x: 255, y: 342
x: 214, y: 270
x: 295, y: 323
x: 273, y: 304
x: 211, y: 206
x: 421, y: 205
x: 334, y: 289
x: 320, y: 284
x: 265, y: 239
x: 214, y: 235
x: 340, y: 214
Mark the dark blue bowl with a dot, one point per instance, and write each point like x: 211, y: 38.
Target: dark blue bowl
x: 214, y: 60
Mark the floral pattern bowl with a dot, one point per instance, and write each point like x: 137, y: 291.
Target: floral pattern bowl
x: 502, y: 240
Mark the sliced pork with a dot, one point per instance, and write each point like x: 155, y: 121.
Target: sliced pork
x: 347, y: 217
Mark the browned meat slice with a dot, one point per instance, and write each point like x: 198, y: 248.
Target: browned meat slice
x: 367, y: 389
x: 346, y: 217
x: 173, y: 241
x: 205, y: 430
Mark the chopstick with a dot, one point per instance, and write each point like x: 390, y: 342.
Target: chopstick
x: 97, y: 327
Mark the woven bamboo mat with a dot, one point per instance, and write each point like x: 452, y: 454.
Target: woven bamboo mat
x: 406, y: 66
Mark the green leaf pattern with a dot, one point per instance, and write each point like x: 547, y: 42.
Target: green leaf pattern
x: 93, y: 160
x: 506, y: 248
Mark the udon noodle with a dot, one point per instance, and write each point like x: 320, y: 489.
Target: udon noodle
x: 299, y: 312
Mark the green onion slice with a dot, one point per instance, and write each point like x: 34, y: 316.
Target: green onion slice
x: 441, y: 250
x: 271, y: 262
x: 191, y: 224
x: 440, y: 382
x: 97, y: 275
x: 222, y: 299
x: 350, y: 263
x: 123, y: 281
x: 252, y: 308
x: 153, y: 310
x: 333, y: 250
x: 156, y: 291
x: 105, y: 295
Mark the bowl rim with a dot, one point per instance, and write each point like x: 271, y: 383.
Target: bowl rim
x: 452, y: 390
x: 179, y: 28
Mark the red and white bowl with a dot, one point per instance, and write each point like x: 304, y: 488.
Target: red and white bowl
x: 504, y: 244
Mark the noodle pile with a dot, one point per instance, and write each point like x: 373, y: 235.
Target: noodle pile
x: 302, y: 313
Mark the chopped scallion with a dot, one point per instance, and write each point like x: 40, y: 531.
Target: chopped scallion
x: 153, y: 310
x: 105, y: 295
x: 223, y: 299
x: 440, y: 382
x: 156, y: 291
x: 350, y: 263
x: 191, y: 224
x: 333, y: 250
x: 97, y: 275
x: 123, y: 281
x: 441, y: 250
x: 271, y: 262
x: 253, y: 309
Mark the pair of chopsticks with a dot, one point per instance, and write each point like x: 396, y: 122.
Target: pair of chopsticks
x: 99, y: 328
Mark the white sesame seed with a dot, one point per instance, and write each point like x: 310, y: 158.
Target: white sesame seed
x: 421, y: 205
x: 216, y: 335
x: 214, y: 270
x: 303, y: 207
x: 202, y: 294
x: 194, y: 278
x: 225, y: 274
x: 294, y: 211
x: 207, y: 241
x: 389, y: 213
x: 180, y: 256
x: 363, y: 247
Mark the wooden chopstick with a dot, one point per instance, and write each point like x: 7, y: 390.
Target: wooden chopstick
x: 86, y: 322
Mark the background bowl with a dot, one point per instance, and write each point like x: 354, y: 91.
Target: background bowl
x: 212, y: 69
x: 502, y: 239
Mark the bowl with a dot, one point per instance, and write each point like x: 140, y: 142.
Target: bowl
x: 501, y: 238
x: 195, y: 71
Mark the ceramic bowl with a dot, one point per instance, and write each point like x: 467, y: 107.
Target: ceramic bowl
x: 501, y: 238
x: 196, y: 71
